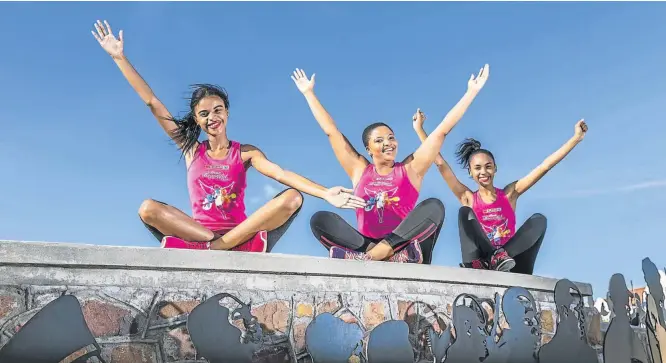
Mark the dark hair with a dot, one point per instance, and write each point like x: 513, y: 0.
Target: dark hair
x: 469, y: 148
x: 368, y: 130
x: 188, y: 131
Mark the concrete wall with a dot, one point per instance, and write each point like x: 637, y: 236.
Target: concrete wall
x: 136, y: 300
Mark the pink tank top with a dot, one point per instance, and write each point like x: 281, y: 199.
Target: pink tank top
x: 388, y: 200
x: 497, y: 219
x: 217, y: 188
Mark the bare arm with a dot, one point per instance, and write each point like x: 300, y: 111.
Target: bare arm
x: 460, y: 190
x: 352, y: 162
x: 426, y: 153
x: 114, y: 47
x: 514, y: 190
x: 337, y: 196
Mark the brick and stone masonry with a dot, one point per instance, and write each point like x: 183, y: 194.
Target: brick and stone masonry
x: 136, y: 300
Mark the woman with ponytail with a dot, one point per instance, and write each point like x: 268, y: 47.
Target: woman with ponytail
x: 216, y: 174
x: 487, y: 220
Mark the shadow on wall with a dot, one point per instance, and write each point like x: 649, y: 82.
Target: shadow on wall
x: 506, y: 329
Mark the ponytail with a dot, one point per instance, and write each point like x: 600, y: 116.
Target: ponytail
x: 187, y: 133
x: 468, y: 148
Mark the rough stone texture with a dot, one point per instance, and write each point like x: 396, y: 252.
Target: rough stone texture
x: 547, y: 322
x: 104, y: 319
x: 133, y: 352
x: 139, y: 314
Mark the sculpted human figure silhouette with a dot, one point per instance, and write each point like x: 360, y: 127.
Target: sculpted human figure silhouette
x: 517, y: 343
x: 569, y: 344
x: 470, y: 332
x: 621, y: 345
x: 216, y: 339
x: 654, y: 321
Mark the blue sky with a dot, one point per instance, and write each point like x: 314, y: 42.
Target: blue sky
x: 80, y: 151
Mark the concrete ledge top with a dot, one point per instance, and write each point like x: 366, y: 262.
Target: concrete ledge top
x: 69, y: 255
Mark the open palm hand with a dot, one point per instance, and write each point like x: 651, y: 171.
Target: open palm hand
x: 302, y: 82
x: 107, y: 40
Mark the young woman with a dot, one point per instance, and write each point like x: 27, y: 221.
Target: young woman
x: 216, y: 174
x: 390, y: 227
x: 487, y: 220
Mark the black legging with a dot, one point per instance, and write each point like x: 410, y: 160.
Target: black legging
x: 523, y: 247
x: 424, y: 223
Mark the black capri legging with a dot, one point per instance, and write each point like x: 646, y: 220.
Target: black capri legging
x: 423, y: 224
x: 523, y: 247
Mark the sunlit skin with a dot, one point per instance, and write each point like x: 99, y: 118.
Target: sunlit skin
x: 482, y: 169
x: 211, y: 115
x: 382, y: 148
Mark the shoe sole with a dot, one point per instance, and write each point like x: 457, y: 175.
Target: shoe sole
x: 506, y: 265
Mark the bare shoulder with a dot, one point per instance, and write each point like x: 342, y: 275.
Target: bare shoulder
x: 249, y: 151
x: 510, y: 191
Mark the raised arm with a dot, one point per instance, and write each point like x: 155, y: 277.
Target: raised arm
x: 460, y: 190
x: 337, y: 196
x: 426, y: 153
x: 515, y: 189
x: 353, y: 162
x: 114, y: 47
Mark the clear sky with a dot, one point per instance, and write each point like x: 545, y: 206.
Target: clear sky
x: 80, y: 151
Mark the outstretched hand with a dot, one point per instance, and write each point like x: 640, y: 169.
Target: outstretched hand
x: 304, y: 84
x: 476, y: 83
x: 107, y: 40
x: 341, y: 197
x: 580, y: 130
x: 419, y: 118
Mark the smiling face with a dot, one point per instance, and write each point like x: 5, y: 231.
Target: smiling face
x: 211, y: 115
x: 381, y: 144
x: 482, y: 168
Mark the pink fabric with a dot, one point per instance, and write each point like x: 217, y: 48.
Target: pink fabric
x: 389, y: 199
x: 497, y: 219
x: 258, y: 243
x: 217, y: 188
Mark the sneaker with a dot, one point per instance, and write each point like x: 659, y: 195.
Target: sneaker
x: 175, y: 242
x: 345, y: 254
x: 475, y: 264
x: 258, y: 243
x: 410, y: 254
x: 501, y: 261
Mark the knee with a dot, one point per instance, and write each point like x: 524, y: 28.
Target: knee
x: 435, y: 206
x: 539, y: 220
x: 291, y: 201
x: 465, y: 213
x: 149, y: 210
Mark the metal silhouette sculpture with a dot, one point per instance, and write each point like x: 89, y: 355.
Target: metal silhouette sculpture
x: 216, y: 339
x: 469, y: 323
x: 569, y: 344
x: 654, y: 321
x: 389, y: 343
x: 519, y: 342
x: 54, y: 333
x: 621, y: 344
x: 329, y: 339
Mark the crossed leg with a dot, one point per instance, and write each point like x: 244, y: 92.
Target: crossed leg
x: 274, y: 216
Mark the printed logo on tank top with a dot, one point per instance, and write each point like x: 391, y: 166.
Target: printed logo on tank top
x: 495, y: 225
x: 216, y: 195
x: 380, y: 197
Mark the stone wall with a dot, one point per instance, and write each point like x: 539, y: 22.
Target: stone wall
x: 136, y: 301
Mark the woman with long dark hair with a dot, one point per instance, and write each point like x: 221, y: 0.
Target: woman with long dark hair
x: 391, y: 226
x: 216, y: 174
x: 487, y: 220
